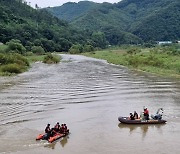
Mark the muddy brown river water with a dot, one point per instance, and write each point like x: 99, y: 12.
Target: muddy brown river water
x: 88, y: 95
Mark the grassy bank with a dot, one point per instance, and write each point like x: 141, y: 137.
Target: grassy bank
x: 153, y: 60
x: 13, y: 63
x: 35, y: 58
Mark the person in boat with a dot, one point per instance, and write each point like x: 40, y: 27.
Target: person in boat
x: 146, y: 114
x: 66, y: 130
x: 47, y: 131
x: 53, y: 132
x: 135, y: 115
x: 57, y: 127
x: 62, y: 128
x: 131, y: 117
x: 158, y: 115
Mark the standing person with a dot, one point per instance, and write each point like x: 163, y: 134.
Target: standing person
x: 135, y: 115
x: 146, y: 114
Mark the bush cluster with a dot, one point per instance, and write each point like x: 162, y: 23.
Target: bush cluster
x: 76, y: 49
x: 13, y: 63
x: 50, y: 59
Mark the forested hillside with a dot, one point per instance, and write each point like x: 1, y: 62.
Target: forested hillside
x: 36, y: 27
x: 70, y: 11
x: 153, y: 20
x: 146, y: 20
x: 161, y: 25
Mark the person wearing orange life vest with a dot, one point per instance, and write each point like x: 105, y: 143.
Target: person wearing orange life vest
x: 57, y: 127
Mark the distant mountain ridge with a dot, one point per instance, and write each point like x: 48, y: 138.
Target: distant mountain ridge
x: 71, y: 10
x: 149, y: 20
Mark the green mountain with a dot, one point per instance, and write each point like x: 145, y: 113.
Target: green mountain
x: 35, y: 27
x: 70, y: 11
x: 163, y: 24
x: 130, y: 20
x: 153, y: 19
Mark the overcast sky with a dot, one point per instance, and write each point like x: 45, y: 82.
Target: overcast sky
x: 46, y: 3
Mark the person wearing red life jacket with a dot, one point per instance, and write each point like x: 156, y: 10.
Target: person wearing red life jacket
x: 146, y: 114
x: 57, y: 127
x: 62, y: 128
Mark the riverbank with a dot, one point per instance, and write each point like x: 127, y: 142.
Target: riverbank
x: 146, y: 59
x: 14, y: 63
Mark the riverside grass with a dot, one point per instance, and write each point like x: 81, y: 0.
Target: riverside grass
x: 21, y: 64
x: 11, y: 64
x: 144, y: 60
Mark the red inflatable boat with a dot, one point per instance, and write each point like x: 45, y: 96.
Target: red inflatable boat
x: 50, y: 139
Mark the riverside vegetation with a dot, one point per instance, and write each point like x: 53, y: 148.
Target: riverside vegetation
x: 162, y: 60
x: 28, y: 34
x: 14, y: 59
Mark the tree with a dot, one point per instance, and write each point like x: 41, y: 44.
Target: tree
x: 99, y: 40
x: 15, y: 46
x: 38, y: 50
x: 88, y: 48
x: 75, y: 49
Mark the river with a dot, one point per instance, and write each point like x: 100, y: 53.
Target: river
x: 88, y: 95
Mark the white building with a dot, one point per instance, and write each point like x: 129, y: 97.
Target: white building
x: 164, y: 42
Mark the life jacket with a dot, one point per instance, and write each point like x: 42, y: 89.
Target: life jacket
x: 57, y: 126
x: 146, y: 112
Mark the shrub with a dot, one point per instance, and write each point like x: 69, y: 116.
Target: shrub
x: 13, y: 63
x: 49, y: 59
x: 12, y: 68
x: 133, y: 61
x: 15, y: 46
x: 75, y: 49
x: 37, y: 50
x: 148, y: 60
x: 153, y: 60
x: 133, y: 51
x: 88, y: 48
x: 19, y: 59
